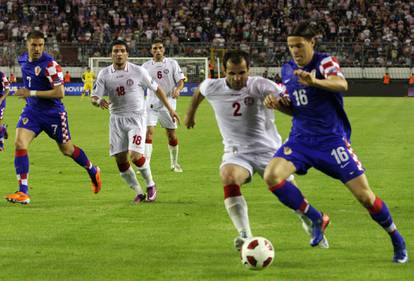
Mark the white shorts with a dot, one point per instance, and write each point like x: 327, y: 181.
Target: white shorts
x: 162, y: 115
x: 253, y: 162
x: 127, y: 133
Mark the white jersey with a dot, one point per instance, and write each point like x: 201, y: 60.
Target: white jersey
x: 245, y: 124
x: 125, y: 88
x: 167, y: 73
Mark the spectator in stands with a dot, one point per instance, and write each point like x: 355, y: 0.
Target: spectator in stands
x: 67, y: 77
x: 12, y: 78
x: 265, y: 74
x: 386, y: 79
x: 277, y: 78
x: 411, y: 80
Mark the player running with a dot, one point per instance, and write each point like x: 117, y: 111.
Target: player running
x: 4, y: 92
x: 250, y: 136
x: 167, y: 73
x: 125, y: 83
x: 44, y: 112
x: 320, y: 137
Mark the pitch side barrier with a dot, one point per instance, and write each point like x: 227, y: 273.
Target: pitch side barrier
x: 75, y: 89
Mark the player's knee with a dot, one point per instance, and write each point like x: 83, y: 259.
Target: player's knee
x: 123, y: 167
x: 138, y: 159
x: 228, y: 177
x: 272, y: 177
x: 367, y: 199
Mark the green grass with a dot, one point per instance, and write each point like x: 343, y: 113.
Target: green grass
x: 68, y: 233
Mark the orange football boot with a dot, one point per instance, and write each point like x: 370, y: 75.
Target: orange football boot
x: 18, y: 197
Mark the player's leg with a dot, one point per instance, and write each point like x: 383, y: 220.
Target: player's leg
x: 233, y: 175
x: 173, y: 149
x: 148, y: 142
x: 379, y: 212
x: 129, y: 176
x: 276, y: 173
x: 21, y: 163
x: 3, y: 127
x: 144, y: 169
x: 80, y: 157
x: 168, y: 123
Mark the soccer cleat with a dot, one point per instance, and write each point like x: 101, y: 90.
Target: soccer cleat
x: 400, y: 253
x: 239, y: 240
x: 96, y: 180
x: 151, y: 193
x: 139, y: 198
x: 6, y: 134
x: 18, y: 197
x: 318, y: 230
x: 307, y: 226
x: 176, y: 168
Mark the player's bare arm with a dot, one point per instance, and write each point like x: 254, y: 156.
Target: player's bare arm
x: 6, y: 93
x: 197, y: 98
x: 58, y: 92
x: 178, y: 89
x: 281, y: 103
x: 100, y: 102
x: 332, y: 83
x: 163, y: 98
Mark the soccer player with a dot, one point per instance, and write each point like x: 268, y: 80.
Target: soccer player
x: 4, y: 92
x: 167, y: 73
x: 44, y: 112
x: 320, y: 136
x: 249, y: 133
x: 125, y: 83
x: 87, y: 78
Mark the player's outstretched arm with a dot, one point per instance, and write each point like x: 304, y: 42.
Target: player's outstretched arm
x: 332, y: 83
x: 281, y: 104
x: 197, y: 98
x: 58, y: 92
x: 163, y: 98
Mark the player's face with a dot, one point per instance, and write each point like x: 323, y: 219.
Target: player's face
x: 119, y: 56
x: 35, y: 48
x: 237, y: 74
x: 157, y: 51
x: 301, y: 49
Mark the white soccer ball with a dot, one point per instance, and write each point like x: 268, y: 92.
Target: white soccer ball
x: 257, y: 253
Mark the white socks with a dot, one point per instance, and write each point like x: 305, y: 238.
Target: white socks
x: 237, y: 209
x: 145, y: 171
x: 131, y: 179
x: 148, y: 152
x: 173, y: 154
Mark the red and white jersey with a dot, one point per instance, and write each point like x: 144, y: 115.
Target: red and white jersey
x: 4, y: 83
x: 167, y: 73
x: 125, y: 88
x: 245, y: 124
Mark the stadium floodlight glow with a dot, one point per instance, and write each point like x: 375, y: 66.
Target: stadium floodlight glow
x: 194, y: 68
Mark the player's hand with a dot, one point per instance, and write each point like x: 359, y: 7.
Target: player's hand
x: 22, y: 93
x: 305, y: 78
x: 271, y: 101
x: 104, y: 104
x: 175, y: 116
x: 176, y: 93
x: 189, y: 121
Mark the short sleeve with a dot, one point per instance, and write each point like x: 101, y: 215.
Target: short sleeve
x: 99, y: 86
x: 265, y: 86
x: 178, y: 73
x: 5, y: 82
x: 54, y: 73
x: 329, y: 66
x: 203, y: 87
x: 149, y: 82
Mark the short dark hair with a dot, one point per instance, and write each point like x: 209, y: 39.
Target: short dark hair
x: 119, y: 42
x: 236, y: 57
x: 35, y: 34
x: 305, y: 29
x: 157, y: 41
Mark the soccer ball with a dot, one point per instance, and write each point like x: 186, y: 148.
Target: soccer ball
x: 257, y: 253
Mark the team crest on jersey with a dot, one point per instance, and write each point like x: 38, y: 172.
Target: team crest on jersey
x: 130, y: 82
x: 25, y: 120
x: 37, y: 70
x: 287, y: 150
x: 248, y: 101
x: 166, y: 71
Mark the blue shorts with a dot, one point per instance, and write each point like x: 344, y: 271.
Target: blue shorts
x: 330, y: 155
x: 53, y: 122
x: 2, y: 108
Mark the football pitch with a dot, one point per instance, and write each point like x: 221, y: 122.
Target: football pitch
x: 69, y: 233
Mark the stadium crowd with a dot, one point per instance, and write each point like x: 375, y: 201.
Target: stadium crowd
x: 359, y: 32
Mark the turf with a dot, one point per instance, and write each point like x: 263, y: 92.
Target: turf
x: 69, y: 233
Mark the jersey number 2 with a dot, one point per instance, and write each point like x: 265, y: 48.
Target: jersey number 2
x: 236, y: 107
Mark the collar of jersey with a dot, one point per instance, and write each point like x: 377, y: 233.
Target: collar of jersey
x: 125, y: 69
